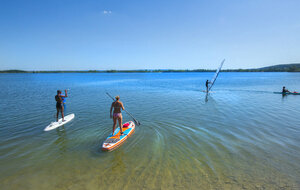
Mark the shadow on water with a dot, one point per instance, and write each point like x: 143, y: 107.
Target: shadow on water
x: 97, y: 151
x: 117, y: 161
x: 61, y: 140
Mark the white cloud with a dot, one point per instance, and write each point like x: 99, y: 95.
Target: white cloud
x: 106, y: 12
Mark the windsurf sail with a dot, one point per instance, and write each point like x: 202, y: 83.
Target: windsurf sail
x: 213, y: 80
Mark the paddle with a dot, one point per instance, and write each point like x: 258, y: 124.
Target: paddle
x: 135, y: 120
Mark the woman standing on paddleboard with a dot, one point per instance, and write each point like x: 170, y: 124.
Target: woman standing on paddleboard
x: 59, y: 103
x: 117, y: 115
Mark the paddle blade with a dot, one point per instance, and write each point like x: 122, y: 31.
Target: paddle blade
x: 137, y: 122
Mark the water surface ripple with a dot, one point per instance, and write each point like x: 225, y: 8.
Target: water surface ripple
x: 241, y: 136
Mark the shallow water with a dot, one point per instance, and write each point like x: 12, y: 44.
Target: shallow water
x: 241, y: 136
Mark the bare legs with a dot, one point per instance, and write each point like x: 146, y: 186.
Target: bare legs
x: 57, y: 114
x: 119, y: 119
x: 120, y: 123
x: 62, y: 113
x: 115, y: 123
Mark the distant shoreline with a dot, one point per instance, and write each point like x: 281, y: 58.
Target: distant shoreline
x: 294, y: 67
x: 138, y: 71
x: 147, y: 71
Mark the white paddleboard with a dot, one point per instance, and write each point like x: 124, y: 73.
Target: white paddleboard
x: 59, y: 123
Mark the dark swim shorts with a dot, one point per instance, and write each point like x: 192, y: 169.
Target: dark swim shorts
x: 58, y: 106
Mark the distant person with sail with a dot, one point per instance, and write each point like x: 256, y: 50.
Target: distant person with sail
x: 211, y: 82
x: 206, y: 84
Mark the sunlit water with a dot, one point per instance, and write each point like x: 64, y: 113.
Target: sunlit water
x: 241, y: 136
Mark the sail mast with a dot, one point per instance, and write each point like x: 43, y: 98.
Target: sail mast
x: 216, y: 75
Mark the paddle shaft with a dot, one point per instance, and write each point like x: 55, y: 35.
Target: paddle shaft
x: 135, y: 120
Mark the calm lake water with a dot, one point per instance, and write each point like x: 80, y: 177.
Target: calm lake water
x: 241, y: 136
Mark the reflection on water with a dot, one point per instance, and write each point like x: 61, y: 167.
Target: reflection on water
x: 206, y: 97
x: 242, y: 136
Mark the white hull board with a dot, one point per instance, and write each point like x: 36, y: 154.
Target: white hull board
x: 54, y: 125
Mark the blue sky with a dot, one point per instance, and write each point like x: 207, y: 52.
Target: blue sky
x: 175, y: 34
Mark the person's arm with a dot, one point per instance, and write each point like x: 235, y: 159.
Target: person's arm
x: 111, y: 107
x: 122, y: 106
x: 66, y: 94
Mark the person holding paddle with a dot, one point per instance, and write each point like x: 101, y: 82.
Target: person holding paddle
x: 284, y: 90
x: 117, y: 115
x: 59, y: 104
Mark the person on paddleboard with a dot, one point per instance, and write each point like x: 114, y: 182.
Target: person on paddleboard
x: 59, y: 104
x: 284, y: 90
x: 117, y: 115
x: 206, y: 84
